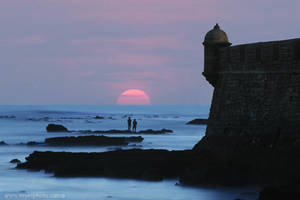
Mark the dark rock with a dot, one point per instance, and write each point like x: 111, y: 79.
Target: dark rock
x: 114, y: 131
x: 7, y: 117
x: 3, y: 143
x: 232, y: 161
x: 150, y: 131
x: 280, y: 192
x: 191, y: 167
x: 15, y: 161
x: 56, y: 128
x: 33, y: 143
x: 88, y: 141
x: 138, y: 164
x: 99, y: 117
x: 198, y: 122
x: 249, y: 159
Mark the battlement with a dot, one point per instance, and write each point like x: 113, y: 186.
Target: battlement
x: 267, y: 57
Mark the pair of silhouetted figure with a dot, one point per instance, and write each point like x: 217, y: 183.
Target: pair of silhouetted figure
x: 134, y: 124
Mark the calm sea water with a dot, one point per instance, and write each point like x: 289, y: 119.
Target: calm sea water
x: 20, y: 124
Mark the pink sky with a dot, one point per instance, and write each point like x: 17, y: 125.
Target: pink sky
x: 90, y: 51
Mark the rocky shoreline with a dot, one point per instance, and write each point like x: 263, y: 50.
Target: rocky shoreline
x: 88, y: 141
x: 61, y: 128
x: 225, y: 160
x: 193, y: 167
x: 198, y: 122
x: 115, y: 131
x: 252, y: 164
x: 135, y: 163
x: 2, y: 143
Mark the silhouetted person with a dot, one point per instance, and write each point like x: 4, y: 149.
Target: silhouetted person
x: 134, y: 123
x: 129, y: 123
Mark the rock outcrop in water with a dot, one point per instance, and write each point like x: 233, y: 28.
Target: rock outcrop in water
x: 258, y: 164
x: 138, y: 164
x: 191, y: 167
x: 2, y: 143
x: 114, y: 131
x: 198, y: 122
x: 15, y: 161
x: 56, y: 128
x: 99, y: 117
x: 61, y: 128
x: 7, y: 117
x: 88, y: 141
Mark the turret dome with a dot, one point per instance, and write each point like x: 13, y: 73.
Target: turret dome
x: 216, y: 36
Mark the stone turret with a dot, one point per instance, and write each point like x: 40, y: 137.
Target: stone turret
x: 214, y: 40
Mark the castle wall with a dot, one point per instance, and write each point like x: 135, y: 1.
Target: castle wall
x: 279, y: 56
x: 258, y: 90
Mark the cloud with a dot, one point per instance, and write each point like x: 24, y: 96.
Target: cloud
x: 144, y: 12
x: 24, y: 40
x: 138, y: 43
x: 136, y: 60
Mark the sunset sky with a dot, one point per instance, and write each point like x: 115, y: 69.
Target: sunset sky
x: 90, y: 51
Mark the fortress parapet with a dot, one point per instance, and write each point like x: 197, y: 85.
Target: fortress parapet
x: 262, y: 57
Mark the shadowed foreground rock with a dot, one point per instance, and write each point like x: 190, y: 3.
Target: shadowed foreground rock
x: 88, y: 141
x: 191, y: 167
x: 280, y: 192
x: 198, y: 122
x: 138, y: 164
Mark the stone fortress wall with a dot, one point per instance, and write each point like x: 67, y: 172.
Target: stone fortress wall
x: 277, y: 56
x: 256, y: 86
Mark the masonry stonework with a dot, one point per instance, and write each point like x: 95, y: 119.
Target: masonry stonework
x: 256, y: 87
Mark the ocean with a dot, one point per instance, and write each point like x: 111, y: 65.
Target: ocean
x: 21, y: 124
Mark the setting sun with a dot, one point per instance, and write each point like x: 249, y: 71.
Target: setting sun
x: 133, y: 97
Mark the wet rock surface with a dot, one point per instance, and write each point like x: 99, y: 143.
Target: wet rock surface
x: 2, y: 143
x: 99, y: 117
x: 7, y: 117
x: 227, y: 160
x: 254, y: 165
x: 87, y: 141
x: 56, y: 128
x: 282, y: 192
x: 15, y: 161
x: 114, y: 131
x: 61, y: 128
x: 198, y: 122
x: 137, y: 164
